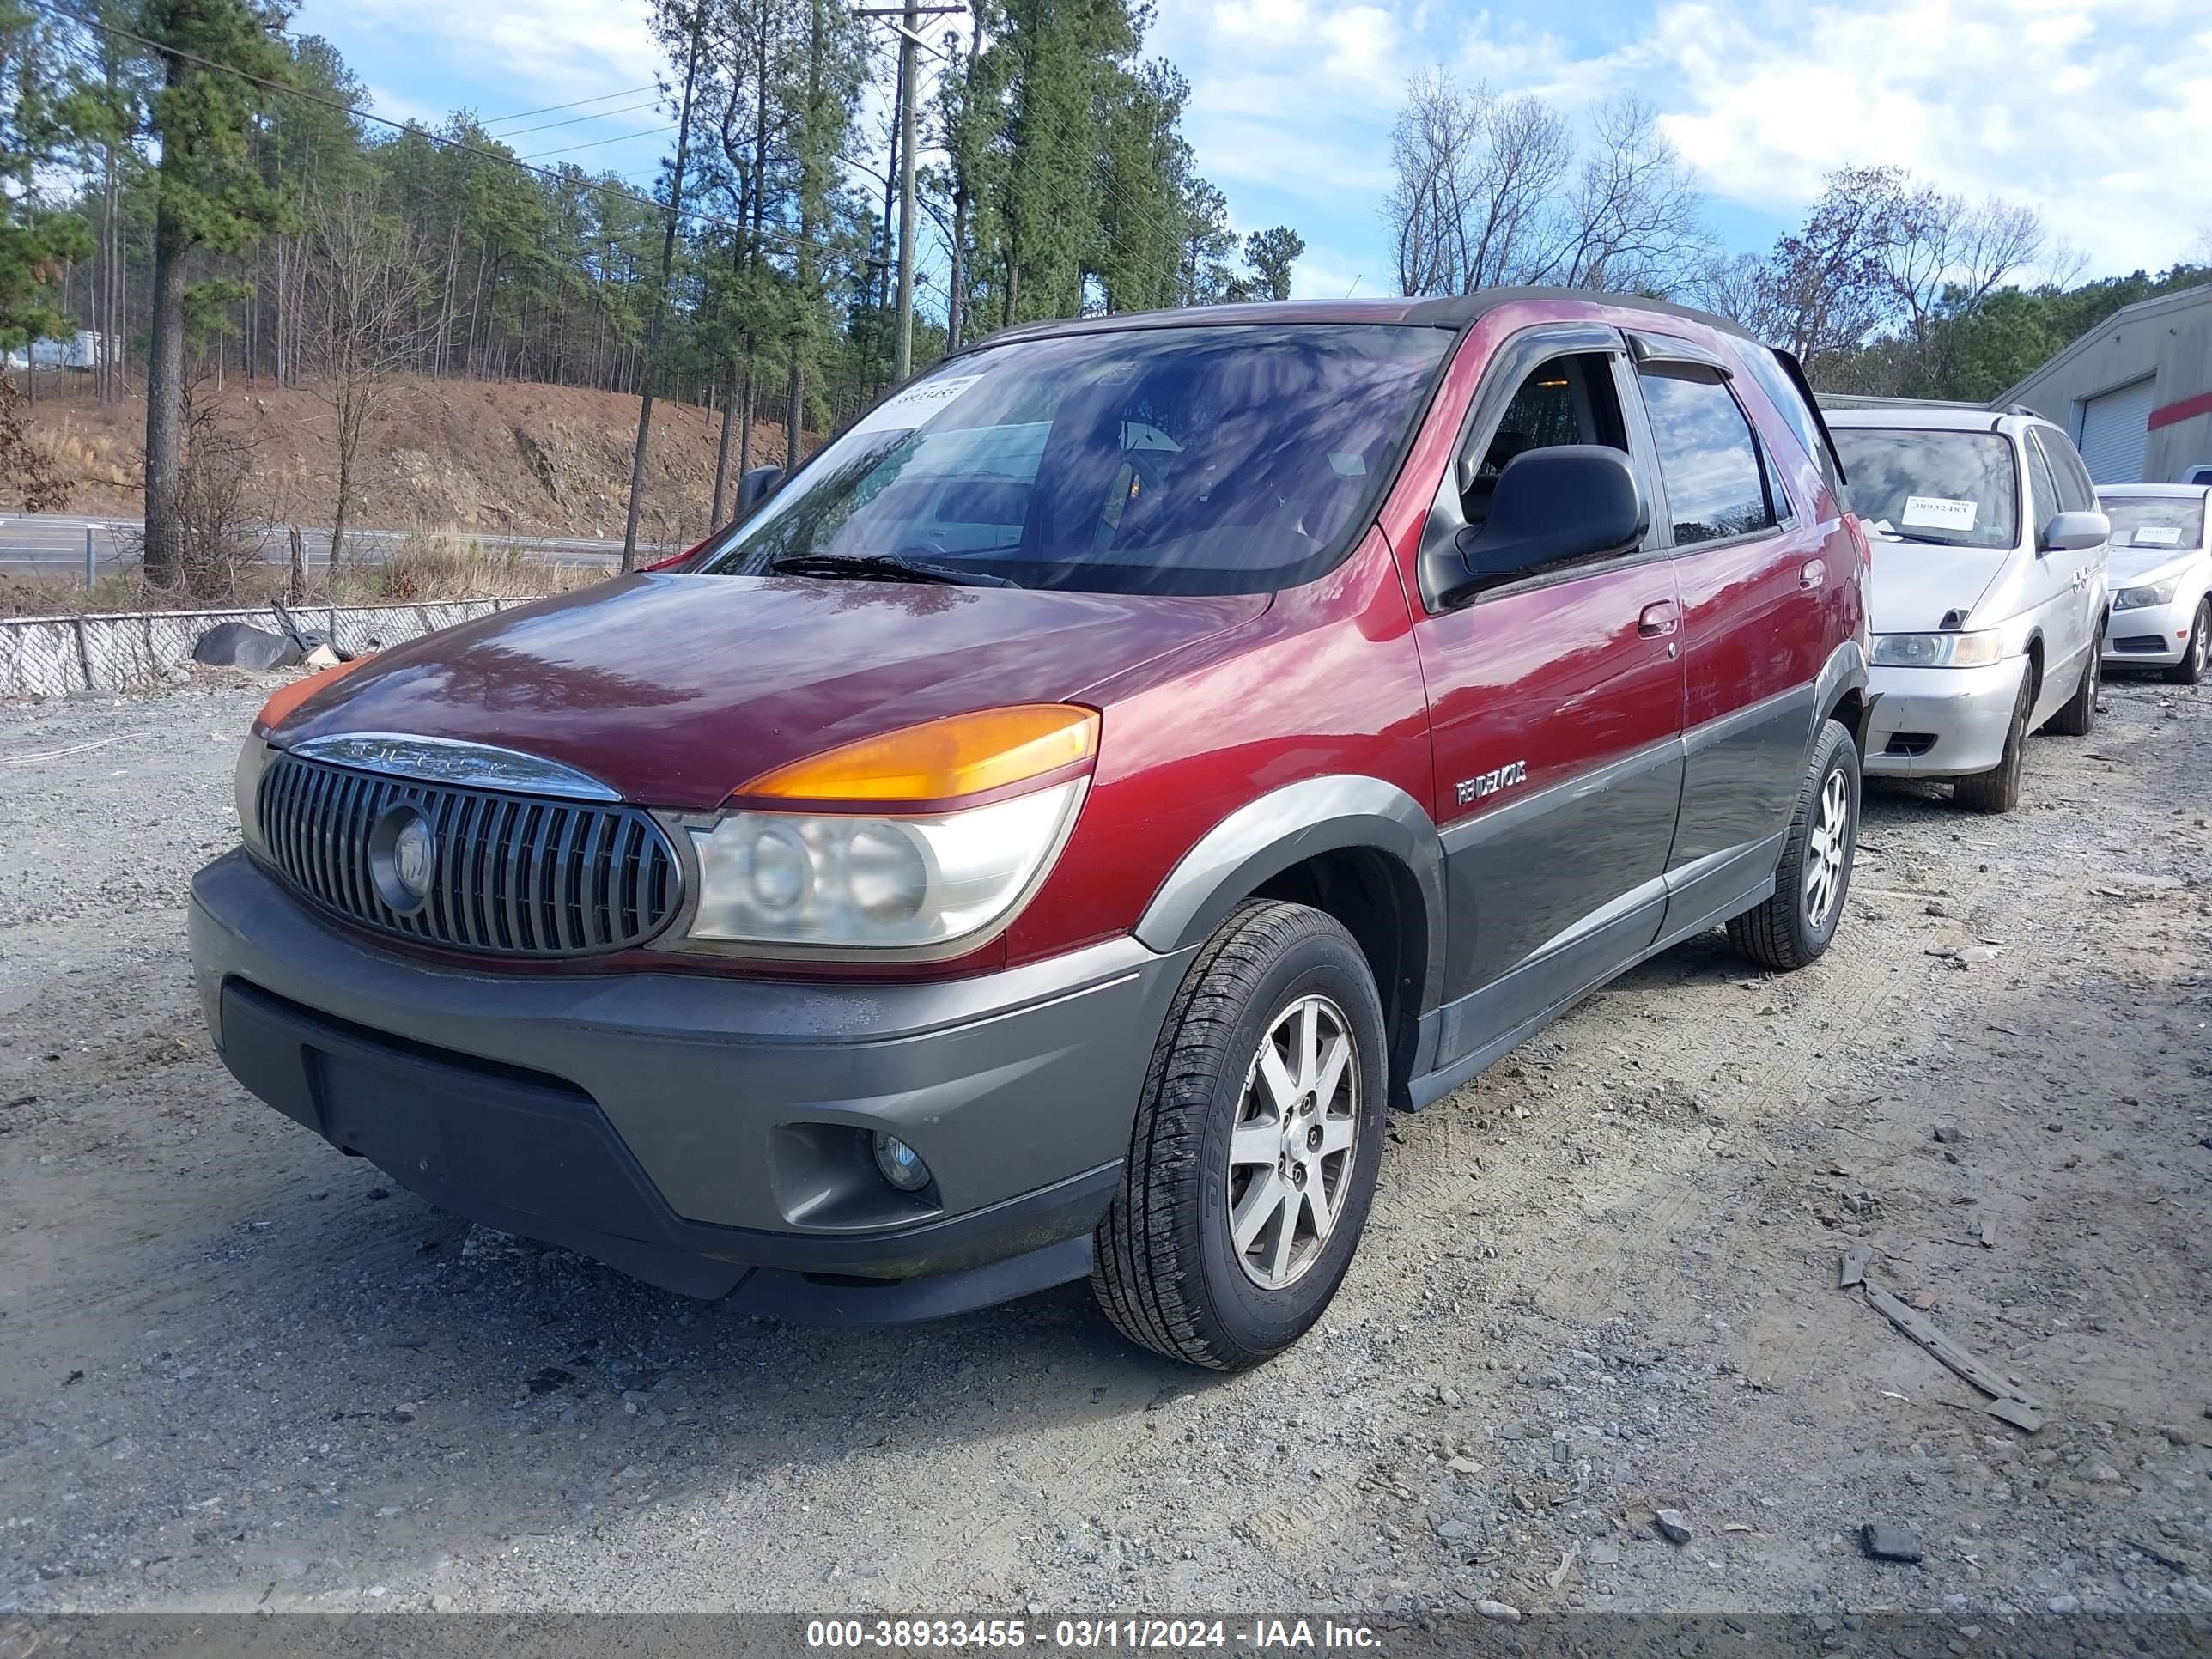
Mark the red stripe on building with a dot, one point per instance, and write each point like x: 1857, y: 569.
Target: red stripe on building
x: 2187, y: 409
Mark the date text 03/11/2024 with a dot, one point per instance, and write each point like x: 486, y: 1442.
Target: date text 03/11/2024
x: 1092, y: 1635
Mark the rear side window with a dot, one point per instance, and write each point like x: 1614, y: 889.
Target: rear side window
x: 1784, y: 396
x: 1715, y: 488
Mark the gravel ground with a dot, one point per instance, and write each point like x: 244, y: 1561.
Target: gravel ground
x: 239, y: 1372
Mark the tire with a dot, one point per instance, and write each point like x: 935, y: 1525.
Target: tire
x: 2190, y: 668
x: 1793, y: 927
x: 1998, y: 790
x: 1166, y: 1269
x: 2077, y: 717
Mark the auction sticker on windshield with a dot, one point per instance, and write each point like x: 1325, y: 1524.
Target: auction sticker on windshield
x: 916, y: 406
x: 1938, y: 513
x: 2158, y: 535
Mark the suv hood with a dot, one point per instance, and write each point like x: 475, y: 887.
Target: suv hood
x: 674, y: 689
x: 1915, y: 584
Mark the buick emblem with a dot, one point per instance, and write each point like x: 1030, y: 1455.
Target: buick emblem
x: 402, y: 857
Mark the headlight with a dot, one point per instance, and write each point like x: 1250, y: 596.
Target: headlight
x: 877, y: 848
x: 905, y: 882
x: 253, y: 762
x: 1937, y: 650
x: 2134, y: 598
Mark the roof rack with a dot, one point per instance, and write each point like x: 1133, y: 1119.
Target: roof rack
x: 1867, y: 400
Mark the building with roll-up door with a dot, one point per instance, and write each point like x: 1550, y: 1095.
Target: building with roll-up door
x: 2135, y: 392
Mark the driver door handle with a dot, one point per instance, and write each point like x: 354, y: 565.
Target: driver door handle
x: 1659, y: 619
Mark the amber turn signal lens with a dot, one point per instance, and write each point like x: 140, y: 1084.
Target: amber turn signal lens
x: 942, y: 760
x: 285, y: 699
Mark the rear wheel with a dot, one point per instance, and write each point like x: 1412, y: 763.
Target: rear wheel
x: 1793, y: 927
x: 1253, y: 1161
x: 2078, y: 718
x: 2190, y: 668
x: 1998, y: 790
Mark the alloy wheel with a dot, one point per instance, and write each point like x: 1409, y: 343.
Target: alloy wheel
x: 1824, y: 861
x: 1291, y: 1147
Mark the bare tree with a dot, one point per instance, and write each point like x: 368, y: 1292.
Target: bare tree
x: 1487, y: 192
x: 1948, y: 256
x: 365, y: 290
x: 1734, y: 286
x: 1475, y: 175
x: 1828, y: 286
x: 1635, y: 222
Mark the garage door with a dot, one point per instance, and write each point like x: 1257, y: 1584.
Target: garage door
x: 2115, y: 430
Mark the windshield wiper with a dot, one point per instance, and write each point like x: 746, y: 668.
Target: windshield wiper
x: 884, y: 568
x: 1922, y: 541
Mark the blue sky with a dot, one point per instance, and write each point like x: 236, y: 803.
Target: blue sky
x: 2097, y: 112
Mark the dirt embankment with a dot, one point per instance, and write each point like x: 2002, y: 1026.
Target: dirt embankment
x: 487, y: 456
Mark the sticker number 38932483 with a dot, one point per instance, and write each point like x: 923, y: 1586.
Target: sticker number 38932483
x: 1938, y: 513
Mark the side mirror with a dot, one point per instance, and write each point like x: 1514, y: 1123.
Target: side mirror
x: 2070, y: 531
x: 756, y: 486
x: 1552, y: 506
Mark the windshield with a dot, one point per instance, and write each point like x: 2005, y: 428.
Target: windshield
x: 1230, y: 459
x: 2155, y: 521
x: 1958, y: 489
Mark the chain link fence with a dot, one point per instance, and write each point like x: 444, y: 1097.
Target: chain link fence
x: 53, y: 656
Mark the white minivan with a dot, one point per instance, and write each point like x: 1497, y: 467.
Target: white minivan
x: 1988, y: 595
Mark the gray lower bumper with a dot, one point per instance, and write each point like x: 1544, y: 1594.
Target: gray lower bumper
x: 710, y: 1134
x: 1939, y: 722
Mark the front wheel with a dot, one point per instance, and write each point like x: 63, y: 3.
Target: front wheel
x: 2190, y: 668
x: 1794, y: 924
x: 2077, y: 717
x: 1998, y: 790
x: 1252, y: 1163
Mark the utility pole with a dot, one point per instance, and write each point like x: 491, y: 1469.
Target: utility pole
x: 902, y: 353
x: 908, y: 14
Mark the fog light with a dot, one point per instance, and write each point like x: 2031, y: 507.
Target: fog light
x: 900, y: 1164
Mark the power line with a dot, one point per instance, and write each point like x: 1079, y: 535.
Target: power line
x: 647, y: 132
x: 496, y: 120
x: 601, y: 115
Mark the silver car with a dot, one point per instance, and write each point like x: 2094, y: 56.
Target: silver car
x: 1988, y: 595
x: 2161, y: 566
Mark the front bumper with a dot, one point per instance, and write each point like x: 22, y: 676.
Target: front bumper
x: 2151, y: 635
x: 1939, y: 722
x: 709, y: 1134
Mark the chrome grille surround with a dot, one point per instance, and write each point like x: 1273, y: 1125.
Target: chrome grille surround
x: 515, y: 875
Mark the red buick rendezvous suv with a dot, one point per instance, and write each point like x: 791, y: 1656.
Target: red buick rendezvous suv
x: 1042, y: 838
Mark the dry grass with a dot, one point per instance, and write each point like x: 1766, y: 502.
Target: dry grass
x: 428, y: 565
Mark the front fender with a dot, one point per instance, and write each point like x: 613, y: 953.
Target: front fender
x: 1286, y: 826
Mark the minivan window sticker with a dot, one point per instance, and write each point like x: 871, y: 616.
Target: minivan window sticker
x: 916, y: 406
x: 1938, y: 513
x: 2158, y: 535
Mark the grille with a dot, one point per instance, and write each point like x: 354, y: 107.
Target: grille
x: 2144, y: 642
x: 516, y: 876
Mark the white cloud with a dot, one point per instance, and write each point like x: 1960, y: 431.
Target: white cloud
x: 565, y: 48
x: 2082, y: 114
x: 2095, y: 111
